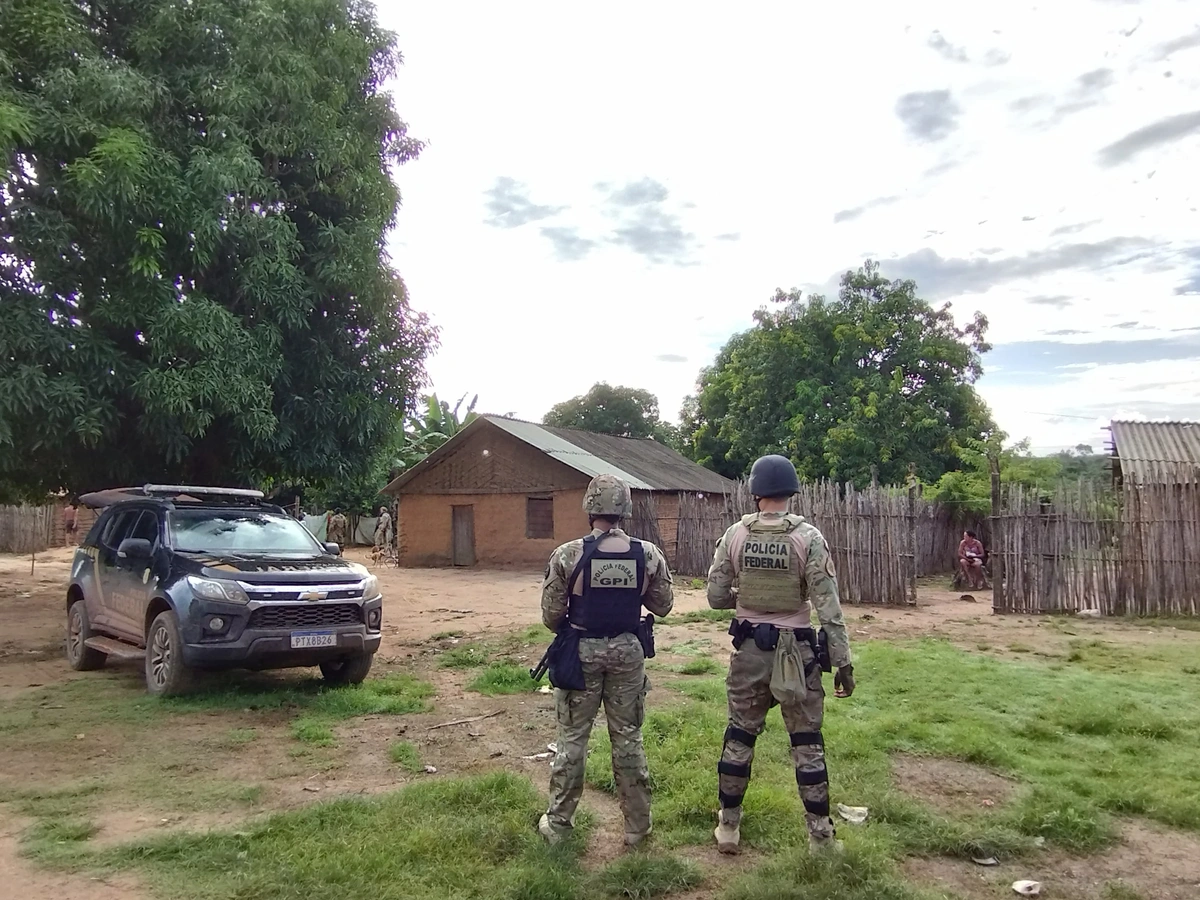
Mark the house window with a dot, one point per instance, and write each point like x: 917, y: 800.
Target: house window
x: 539, y: 517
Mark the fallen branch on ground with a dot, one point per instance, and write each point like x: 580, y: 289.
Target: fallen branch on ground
x: 466, y: 721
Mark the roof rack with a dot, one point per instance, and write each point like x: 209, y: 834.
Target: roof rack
x: 194, y: 491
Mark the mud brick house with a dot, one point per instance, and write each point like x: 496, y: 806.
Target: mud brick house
x: 503, y: 491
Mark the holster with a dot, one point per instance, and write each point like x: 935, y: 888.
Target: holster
x: 645, y: 636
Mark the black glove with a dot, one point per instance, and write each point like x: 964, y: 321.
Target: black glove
x: 843, y: 681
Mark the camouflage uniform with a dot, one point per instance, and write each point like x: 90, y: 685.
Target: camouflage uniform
x: 614, y: 674
x: 383, y: 529
x: 758, y: 679
x: 336, y: 533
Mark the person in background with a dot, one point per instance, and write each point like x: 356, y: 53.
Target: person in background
x: 335, y: 528
x: 383, y: 529
x: 71, y: 521
x: 970, y: 559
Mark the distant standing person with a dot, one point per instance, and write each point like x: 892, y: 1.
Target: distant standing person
x: 71, y: 522
x: 970, y: 559
x: 335, y: 529
x: 383, y: 529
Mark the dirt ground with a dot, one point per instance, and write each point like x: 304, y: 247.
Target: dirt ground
x: 458, y: 606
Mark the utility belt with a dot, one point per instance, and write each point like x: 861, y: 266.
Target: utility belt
x: 766, y: 638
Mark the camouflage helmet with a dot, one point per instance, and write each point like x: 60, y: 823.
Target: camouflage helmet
x: 608, y: 496
x: 773, y: 476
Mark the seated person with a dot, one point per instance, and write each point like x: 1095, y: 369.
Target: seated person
x: 970, y: 559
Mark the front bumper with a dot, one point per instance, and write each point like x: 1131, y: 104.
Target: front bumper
x: 254, y: 636
x: 272, y: 649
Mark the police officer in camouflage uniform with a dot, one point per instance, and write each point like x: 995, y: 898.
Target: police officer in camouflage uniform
x: 599, y: 584
x: 780, y: 563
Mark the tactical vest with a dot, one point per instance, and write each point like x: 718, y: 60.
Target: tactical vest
x: 770, y: 572
x: 610, y: 602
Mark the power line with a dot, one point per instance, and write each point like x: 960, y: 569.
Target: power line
x: 1030, y: 412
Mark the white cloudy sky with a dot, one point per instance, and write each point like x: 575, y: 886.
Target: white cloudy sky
x: 610, y: 190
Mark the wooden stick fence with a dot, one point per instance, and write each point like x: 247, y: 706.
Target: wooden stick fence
x: 1135, y: 551
x: 26, y: 529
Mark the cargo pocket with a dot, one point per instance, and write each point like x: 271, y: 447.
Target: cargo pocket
x: 639, y: 712
x: 562, y: 707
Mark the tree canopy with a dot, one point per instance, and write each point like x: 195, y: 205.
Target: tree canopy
x: 192, y: 221
x: 619, y: 411
x: 876, y: 376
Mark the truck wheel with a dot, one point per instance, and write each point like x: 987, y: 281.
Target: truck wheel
x: 166, y: 675
x: 352, y: 670
x: 81, y: 657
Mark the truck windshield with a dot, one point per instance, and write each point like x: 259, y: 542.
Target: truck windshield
x: 239, y: 531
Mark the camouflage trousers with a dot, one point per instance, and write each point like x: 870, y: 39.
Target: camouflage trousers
x: 748, y: 687
x: 614, y: 672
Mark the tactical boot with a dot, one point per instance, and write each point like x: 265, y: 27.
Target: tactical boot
x: 548, y: 832
x: 635, y: 840
x: 728, y: 830
x: 824, y: 844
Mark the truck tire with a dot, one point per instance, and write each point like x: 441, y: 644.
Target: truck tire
x: 166, y: 675
x: 351, y: 670
x: 81, y: 657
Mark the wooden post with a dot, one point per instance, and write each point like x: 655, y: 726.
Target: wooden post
x: 912, y: 533
x: 998, y: 604
x: 874, y: 478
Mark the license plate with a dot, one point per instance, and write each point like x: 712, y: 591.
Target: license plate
x: 302, y: 640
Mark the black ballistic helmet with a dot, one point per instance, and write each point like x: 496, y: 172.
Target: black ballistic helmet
x: 773, y: 476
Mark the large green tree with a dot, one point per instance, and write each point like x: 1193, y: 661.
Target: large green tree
x: 619, y: 411
x: 193, y: 282
x: 875, y: 377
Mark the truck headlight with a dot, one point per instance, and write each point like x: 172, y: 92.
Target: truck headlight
x: 217, y: 589
x: 370, y: 587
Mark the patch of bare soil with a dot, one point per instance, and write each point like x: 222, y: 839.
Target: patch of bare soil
x: 1155, y: 862
x: 950, y: 785
x: 30, y: 883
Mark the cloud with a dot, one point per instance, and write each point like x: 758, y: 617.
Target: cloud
x: 1064, y: 332
x: 1192, y: 284
x: 996, y: 57
x: 639, y: 193
x: 510, y: 206
x: 929, y: 115
x: 944, y: 48
x: 1186, y: 42
x: 1058, y: 301
x: 655, y: 235
x: 671, y: 358
x: 729, y: 236
x: 947, y: 277
x: 1087, y: 91
x: 1049, y: 356
x: 1073, y: 229
x: 1172, y: 128
x: 846, y: 215
x: 567, y: 243
x: 1128, y: 326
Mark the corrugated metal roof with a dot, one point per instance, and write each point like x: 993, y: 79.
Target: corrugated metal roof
x: 550, y: 443
x: 651, y: 463
x: 1157, y: 451
x: 644, y: 465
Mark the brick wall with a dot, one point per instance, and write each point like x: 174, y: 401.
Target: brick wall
x: 425, y: 528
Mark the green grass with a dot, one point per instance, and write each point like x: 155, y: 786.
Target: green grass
x: 447, y: 635
x: 468, y: 657
x: 503, y: 678
x: 1084, y: 746
x: 642, y: 876
x: 693, y: 647
x: 404, y: 754
x: 239, y: 737
x: 721, y: 616
x: 469, y: 838
x: 702, y: 666
x: 1119, y: 890
x: 315, y: 731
